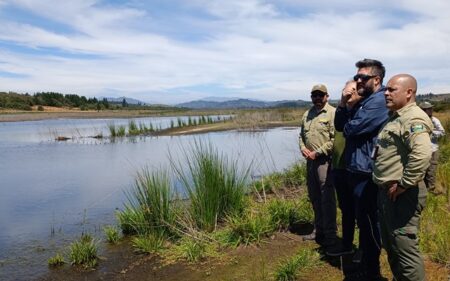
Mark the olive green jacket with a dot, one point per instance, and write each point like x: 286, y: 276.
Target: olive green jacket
x: 403, y: 150
x: 317, y: 130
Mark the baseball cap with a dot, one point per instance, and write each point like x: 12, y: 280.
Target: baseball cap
x: 320, y: 88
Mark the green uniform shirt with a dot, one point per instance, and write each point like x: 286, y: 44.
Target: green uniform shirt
x: 337, y: 156
x: 403, y: 150
x: 317, y: 130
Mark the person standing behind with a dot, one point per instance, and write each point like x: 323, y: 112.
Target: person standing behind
x: 360, y: 126
x: 340, y: 179
x: 438, y: 131
x: 402, y: 157
x: 316, y: 142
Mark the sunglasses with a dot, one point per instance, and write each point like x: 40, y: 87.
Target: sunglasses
x: 363, y: 77
x: 318, y: 95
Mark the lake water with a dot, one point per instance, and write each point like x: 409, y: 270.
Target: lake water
x: 50, y: 191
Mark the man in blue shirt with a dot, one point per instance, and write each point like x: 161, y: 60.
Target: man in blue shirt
x: 360, y: 126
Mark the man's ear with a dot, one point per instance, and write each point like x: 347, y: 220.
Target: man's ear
x: 409, y: 93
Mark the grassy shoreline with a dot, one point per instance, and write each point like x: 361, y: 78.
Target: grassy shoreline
x: 219, y: 229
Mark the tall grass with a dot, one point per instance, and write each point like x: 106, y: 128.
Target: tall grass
x: 112, y: 130
x: 435, y: 229
x: 435, y: 222
x: 84, y: 252
x: 121, y: 131
x: 215, y: 186
x: 133, y: 129
x: 150, y: 208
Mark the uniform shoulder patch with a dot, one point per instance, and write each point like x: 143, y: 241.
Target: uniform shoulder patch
x: 417, y: 128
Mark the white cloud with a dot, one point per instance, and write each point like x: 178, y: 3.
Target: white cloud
x: 251, y: 48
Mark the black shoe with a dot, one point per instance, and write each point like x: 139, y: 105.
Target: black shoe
x: 338, y: 250
x: 364, y: 276
x: 357, y: 256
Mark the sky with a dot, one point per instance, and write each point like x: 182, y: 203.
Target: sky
x: 172, y: 51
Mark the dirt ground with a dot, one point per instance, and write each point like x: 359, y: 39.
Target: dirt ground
x: 253, y: 263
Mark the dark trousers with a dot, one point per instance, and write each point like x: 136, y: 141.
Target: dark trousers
x: 346, y: 203
x: 399, y: 227
x: 365, y: 193
x: 322, y: 196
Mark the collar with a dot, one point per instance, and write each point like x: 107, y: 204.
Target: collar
x: 402, y: 110
x: 324, y: 109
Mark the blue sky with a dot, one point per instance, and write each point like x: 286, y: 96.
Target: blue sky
x: 170, y: 51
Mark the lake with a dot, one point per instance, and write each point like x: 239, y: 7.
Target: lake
x: 51, y: 192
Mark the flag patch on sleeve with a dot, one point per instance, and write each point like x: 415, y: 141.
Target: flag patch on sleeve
x: 417, y: 128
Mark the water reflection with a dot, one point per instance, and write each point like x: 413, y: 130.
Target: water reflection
x: 52, y: 191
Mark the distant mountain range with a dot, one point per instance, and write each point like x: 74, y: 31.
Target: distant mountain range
x: 120, y: 100
x: 241, y: 103
x: 235, y: 102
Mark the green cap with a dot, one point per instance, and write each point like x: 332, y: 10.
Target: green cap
x: 425, y: 105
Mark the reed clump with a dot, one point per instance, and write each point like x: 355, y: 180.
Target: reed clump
x: 112, y: 234
x: 56, y: 261
x: 150, y: 208
x: 84, y: 252
x: 214, y: 185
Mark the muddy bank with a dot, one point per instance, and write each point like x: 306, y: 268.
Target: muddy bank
x: 244, y: 263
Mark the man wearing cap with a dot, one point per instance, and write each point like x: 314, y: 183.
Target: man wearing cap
x: 438, y: 131
x: 360, y: 126
x: 401, y: 159
x: 316, y: 143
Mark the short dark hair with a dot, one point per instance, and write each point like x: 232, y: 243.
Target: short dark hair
x: 376, y: 66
